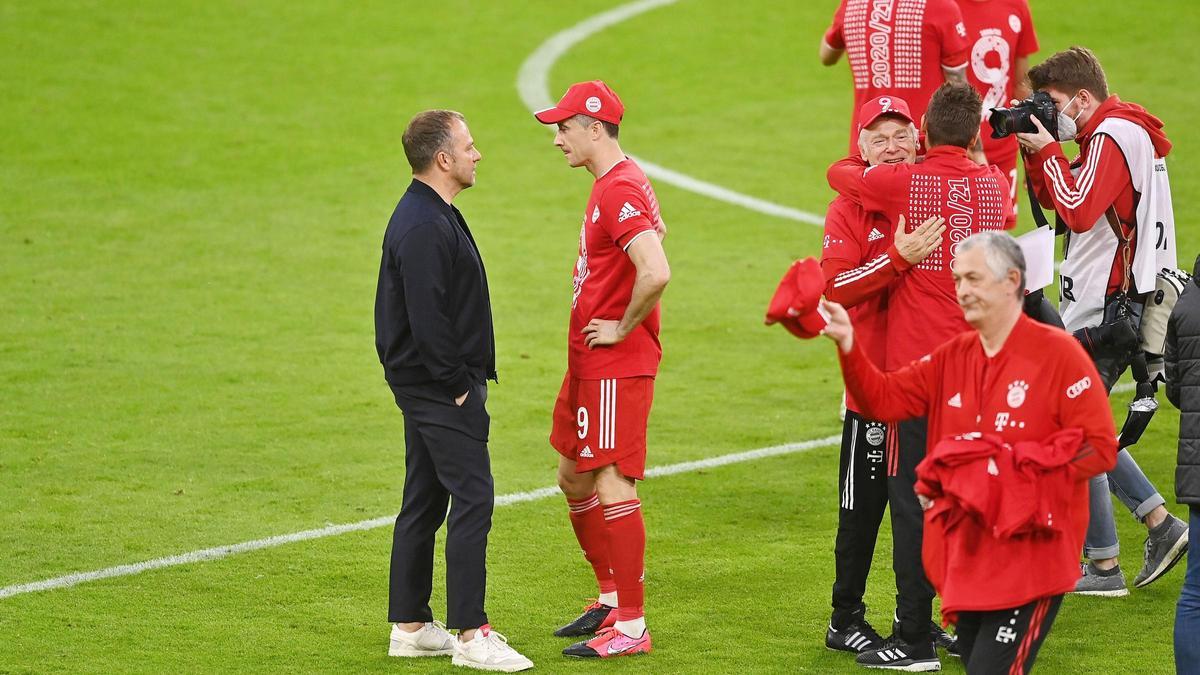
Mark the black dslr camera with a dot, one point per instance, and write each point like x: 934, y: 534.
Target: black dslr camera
x: 1016, y: 120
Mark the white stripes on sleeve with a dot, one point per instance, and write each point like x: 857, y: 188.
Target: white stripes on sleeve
x: 861, y: 272
x: 1066, y: 196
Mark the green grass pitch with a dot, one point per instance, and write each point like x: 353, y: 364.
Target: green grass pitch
x: 192, y: 199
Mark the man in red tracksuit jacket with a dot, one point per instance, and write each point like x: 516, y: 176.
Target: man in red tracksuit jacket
x: 922, y: 310
x: 860, y: 258
x: 1017, y: 380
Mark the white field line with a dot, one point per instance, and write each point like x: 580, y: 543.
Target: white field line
x: 218, y: 552
x: 533, y: 86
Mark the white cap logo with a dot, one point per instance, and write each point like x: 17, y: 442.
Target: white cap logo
x: 592, y: 104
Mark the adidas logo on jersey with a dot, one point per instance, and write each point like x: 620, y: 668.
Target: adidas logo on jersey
x: 586, y: 452
x: 627, y: 211
x: 955, y: 401
x: 875, y: 235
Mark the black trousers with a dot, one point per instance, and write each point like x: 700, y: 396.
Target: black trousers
x: 445, y: 462
x: 914, y: 593
x: 863, y: 496
x: 993, y: 642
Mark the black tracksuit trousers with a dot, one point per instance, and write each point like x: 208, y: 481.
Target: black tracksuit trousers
x: 914, y: 593
x: 862, y: 498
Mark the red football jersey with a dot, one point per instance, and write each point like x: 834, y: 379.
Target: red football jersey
x: 622, y: 206
x: 898, y: 48
x: 923, y: 309
x: 1000, y: 32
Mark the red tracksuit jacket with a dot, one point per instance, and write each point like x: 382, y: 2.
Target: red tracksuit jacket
x: 1039, y: 383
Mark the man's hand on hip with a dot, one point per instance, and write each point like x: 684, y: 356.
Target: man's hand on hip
x: 601, y: 332
x: 916, y: 245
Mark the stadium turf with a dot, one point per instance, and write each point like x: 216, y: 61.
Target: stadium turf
x: 194, y: 195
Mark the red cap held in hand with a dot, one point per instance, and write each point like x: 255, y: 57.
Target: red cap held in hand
x: 593, y: 99
x: 796, y: 303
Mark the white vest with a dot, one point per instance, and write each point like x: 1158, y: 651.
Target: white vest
x: 1089, y: 256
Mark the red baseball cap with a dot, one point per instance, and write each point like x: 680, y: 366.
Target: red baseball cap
x: 594, y: 99
x: 880, y: 106
x: 797, y: 300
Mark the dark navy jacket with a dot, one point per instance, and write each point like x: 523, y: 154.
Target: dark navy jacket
x: 433, y: 316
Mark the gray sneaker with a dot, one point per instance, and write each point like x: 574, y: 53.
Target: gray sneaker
x: 1165, y: 546
x: 1094, y: 583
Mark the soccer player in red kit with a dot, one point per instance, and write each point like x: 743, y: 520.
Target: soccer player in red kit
x: 1001, y: 36
x: 859, y: 259
x: 613, y: 353
x: 903, y: 48
x: 923, y: 313
x: 1028, y: 401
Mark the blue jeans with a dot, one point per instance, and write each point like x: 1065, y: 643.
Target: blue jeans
x: 1135, y: 491
x: 1187, y: 612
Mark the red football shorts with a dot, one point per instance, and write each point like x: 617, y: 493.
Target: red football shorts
x: 602, y: 422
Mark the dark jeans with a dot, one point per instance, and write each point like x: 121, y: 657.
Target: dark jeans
x: 862, y: 494
x: 446, y: 462
x: 1187, y: 612
x: 914, y: 593
x: 992, y: 642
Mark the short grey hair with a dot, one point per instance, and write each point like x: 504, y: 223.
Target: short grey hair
x: 1001, y: 252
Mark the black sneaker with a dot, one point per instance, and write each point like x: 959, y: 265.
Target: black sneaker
x: 595, y: 616
x: 944, y: 640
x: 857, y: 637
x: 896, y: 654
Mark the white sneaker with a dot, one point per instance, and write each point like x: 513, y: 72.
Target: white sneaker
x: 489, y: 650
x: 431, y: 640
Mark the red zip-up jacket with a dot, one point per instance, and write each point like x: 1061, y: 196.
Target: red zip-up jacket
x: 1103, y: 178
x: 1040, y: 382
x: 859, y: 261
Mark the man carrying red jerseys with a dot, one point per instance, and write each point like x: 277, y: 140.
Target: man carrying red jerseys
x: 1013, y: 438
x: 613, y: 353
x: 1002, y: 38
x: 1115, y: 201
x: 898, y: 48
x: 923, y: 313
x: 860, y: 259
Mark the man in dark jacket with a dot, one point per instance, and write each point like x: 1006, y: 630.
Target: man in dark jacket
x: 1183, y: 389
x: 433, y: 332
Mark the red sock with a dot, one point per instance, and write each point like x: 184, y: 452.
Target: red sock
x: 627, y: 549
x: 588, y: 520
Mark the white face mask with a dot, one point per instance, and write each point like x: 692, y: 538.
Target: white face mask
x: 1066, y: 125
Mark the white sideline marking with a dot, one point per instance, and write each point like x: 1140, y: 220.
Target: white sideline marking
x: 533, y: 86
x: 218, y: 552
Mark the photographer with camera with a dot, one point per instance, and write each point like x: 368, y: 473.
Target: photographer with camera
x: 1114, y: 203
